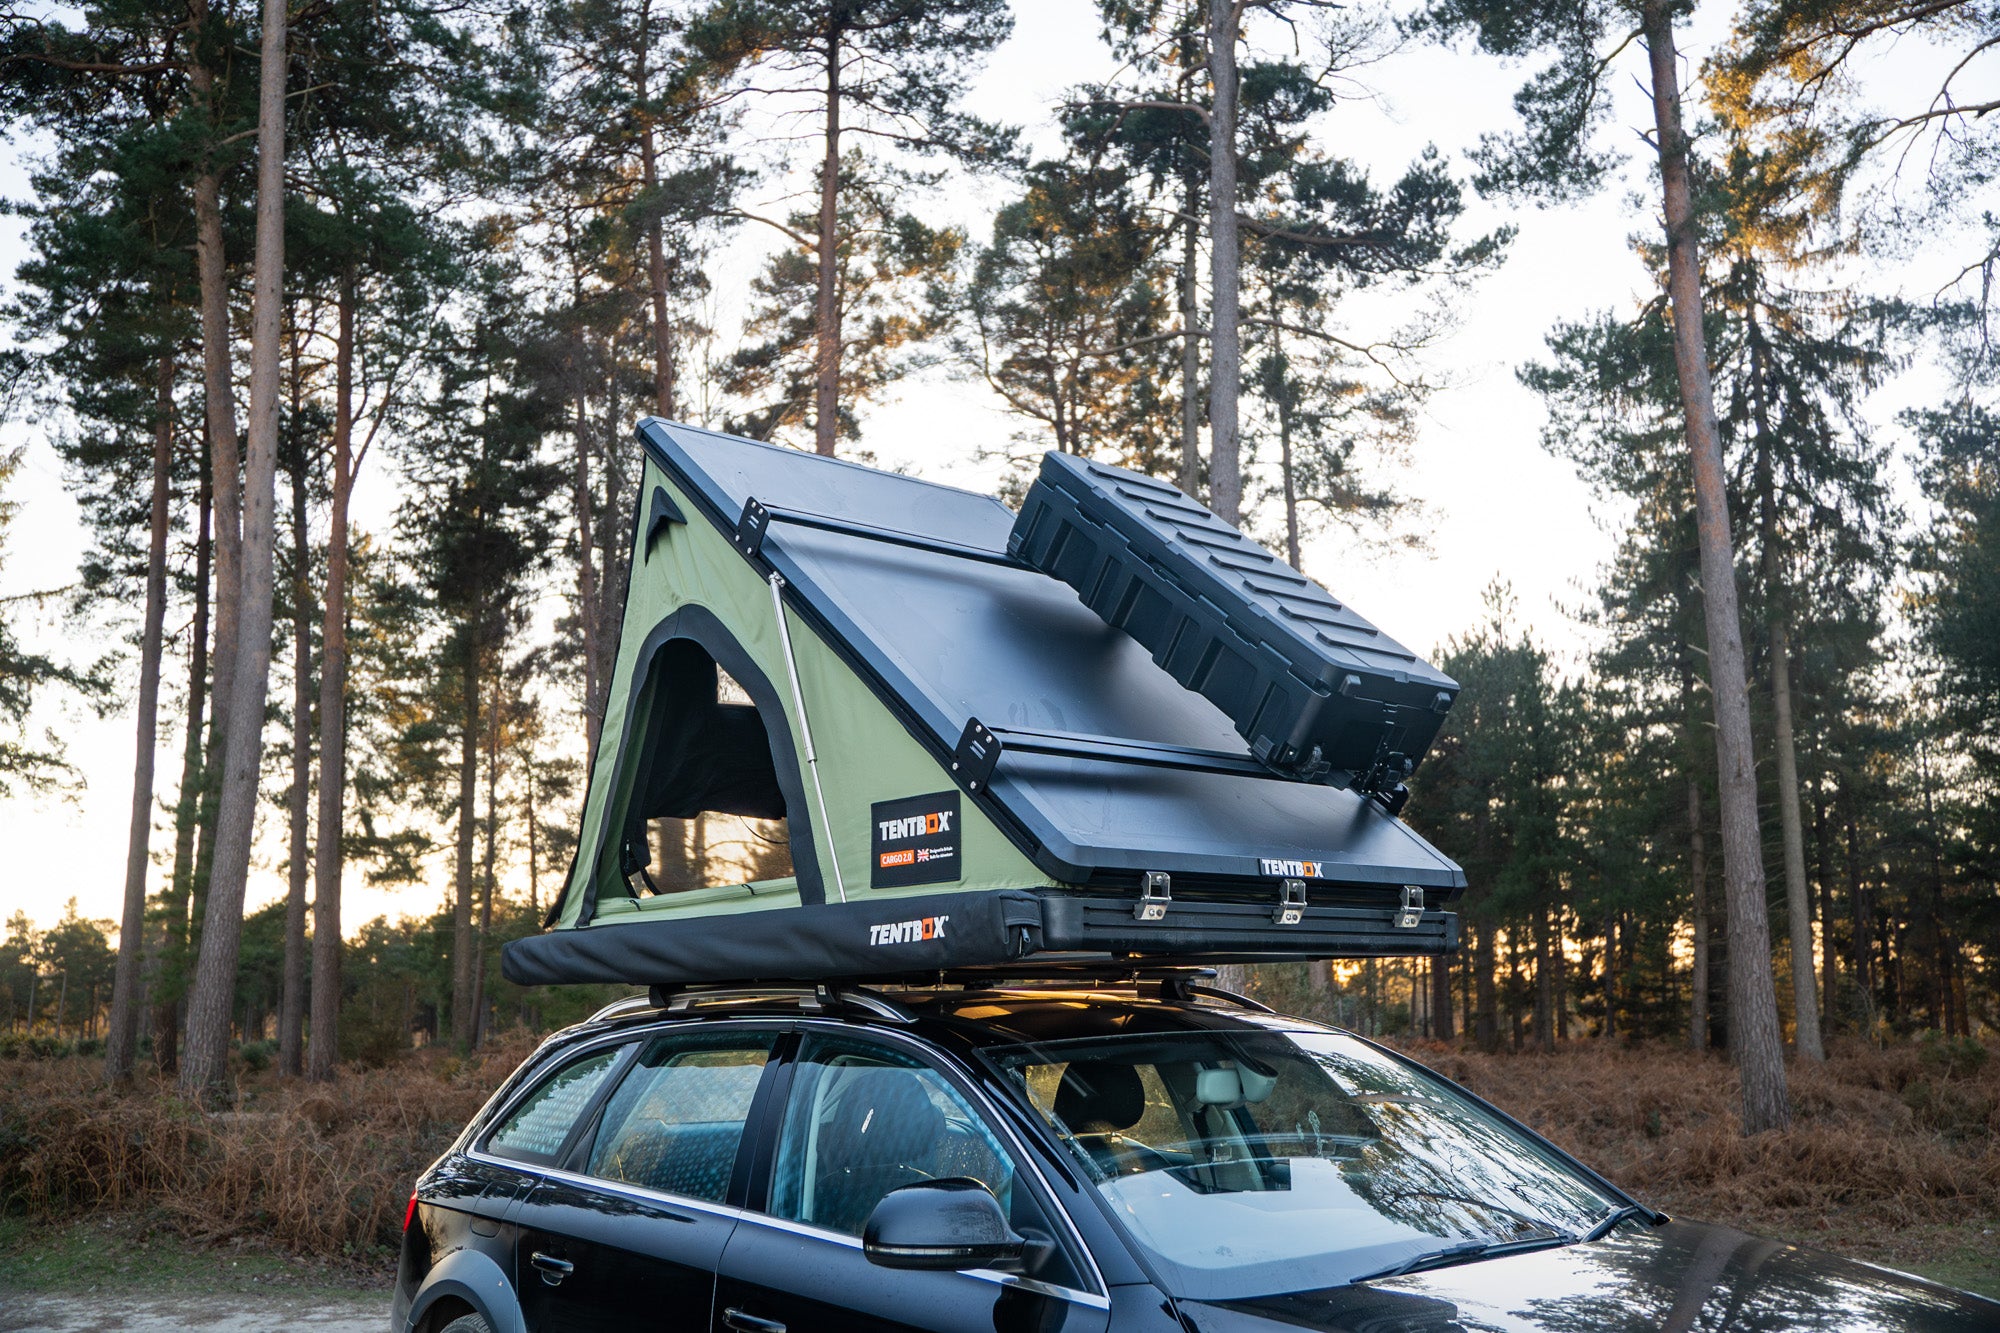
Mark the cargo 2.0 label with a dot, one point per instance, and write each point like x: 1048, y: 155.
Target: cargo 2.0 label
x: 914, y: 840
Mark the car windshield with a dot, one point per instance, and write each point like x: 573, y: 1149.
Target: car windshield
x: 1252, y: 1163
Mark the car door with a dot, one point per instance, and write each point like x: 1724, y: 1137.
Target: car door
x: 862, y: 1117
x: 627, y: 1231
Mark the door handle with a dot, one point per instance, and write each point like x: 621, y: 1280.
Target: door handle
x: 554, y: 1270
x: 745, y: 1323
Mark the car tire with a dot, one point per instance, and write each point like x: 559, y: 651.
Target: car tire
x: 468, y: 1323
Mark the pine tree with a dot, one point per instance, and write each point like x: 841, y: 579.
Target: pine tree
x: 109, y: 293
x: 1289, y: 233
x: 890, y: 72
x: 1066, y: 315
x: 205, y: 1072
x: 478, y: 523
x: 887, y: 266
x: 1556, y: 156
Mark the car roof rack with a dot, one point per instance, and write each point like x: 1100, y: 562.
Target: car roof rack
x: 1171, y: 984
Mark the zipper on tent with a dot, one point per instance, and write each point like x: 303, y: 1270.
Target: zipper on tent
x: 805, y: 727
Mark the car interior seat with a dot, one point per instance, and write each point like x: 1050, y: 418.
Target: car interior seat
x: 879, y: 1130
x: 1099, y: 1102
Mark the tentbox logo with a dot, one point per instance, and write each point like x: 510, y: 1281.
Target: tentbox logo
x: 1294, y: 869
x: 914, y: 841
x: 908, y: 932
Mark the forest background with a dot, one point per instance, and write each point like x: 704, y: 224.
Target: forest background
x: 1429, y: 355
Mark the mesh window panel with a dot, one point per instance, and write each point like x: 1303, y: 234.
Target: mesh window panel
x: 538, y: 1129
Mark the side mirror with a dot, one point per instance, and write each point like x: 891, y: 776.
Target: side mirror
x: 940, y: 1225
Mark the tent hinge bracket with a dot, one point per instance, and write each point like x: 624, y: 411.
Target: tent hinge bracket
x: 1411, y: 914
x: 1156, y: 891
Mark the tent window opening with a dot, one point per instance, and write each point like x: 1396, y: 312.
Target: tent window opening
x: 706, y: 807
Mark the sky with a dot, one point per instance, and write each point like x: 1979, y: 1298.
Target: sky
x: 1497, y: 507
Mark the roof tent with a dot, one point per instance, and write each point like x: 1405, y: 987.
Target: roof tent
x: 967, y: 763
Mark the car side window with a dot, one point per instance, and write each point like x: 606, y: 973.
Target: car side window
x: 862, y: 1121
x: 540, y: 1125
x: 676, y: 1120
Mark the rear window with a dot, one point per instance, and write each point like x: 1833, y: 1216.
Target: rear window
x: 676, y: 1121
x: 541, y: 1124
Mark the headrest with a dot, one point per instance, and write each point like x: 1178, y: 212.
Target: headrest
x: 1100, y: 1092
x: 1231, y: 1086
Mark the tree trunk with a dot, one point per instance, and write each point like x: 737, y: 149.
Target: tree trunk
x: 1863, y: 907
x: 206, y: 1069
x: 1225, y: 353
x: 615, y: 570
x: 1486, y: 1012
x: 534, y: 851
x: 656, y: 249
x: 1545, y: 977
x: 1754, y: 1037
x: 1798, y: 903
x: 1829, y: 956
x: 1291, y: 483
x: 1441, y: 1020
x: 323, y: 1046
x: 1190, y: 342
x: 587, y: 609
x: 488, y: 862
x: 826, y: 311
x: 171, y: 968
x: 1698, y: 876
x: 1610, y: 1028
x: 292, y: 988
x: 225, y: 466
x: 1698, y: 1006
x: 1559, y: 980
x: 462, y: 961
x: 122, y: 1047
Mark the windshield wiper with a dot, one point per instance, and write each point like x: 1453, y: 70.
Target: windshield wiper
x: 1465, y: 1253
x: 1617, y: 1215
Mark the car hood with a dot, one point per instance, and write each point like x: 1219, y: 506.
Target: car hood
x: 1677, y: 1276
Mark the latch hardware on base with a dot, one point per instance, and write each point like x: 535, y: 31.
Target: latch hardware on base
x: 1154, y: 895
x: 1291, y: 907
x: 1412, y: 914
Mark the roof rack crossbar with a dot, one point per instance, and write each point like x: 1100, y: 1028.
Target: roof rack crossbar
x: 758, y: 517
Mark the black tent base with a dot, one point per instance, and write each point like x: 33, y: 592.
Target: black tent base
x: 907, y: 938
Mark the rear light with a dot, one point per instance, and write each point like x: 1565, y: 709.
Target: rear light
x: 410, y: 1211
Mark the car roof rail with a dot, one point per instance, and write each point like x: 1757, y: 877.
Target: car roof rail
x: 631, y: 1004
x: 1174, y: 983
x: 810, y: 997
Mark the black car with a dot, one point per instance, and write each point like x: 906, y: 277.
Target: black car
x: 1152, y: 1157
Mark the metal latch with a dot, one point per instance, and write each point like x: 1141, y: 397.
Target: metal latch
x: 1412, y: 914
x: 1154, y: 895
x: 1291, y: 903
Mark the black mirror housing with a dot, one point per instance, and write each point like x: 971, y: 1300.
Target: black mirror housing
x: 940, y: 1226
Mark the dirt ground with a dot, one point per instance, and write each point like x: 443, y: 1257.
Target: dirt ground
x: 255, y: 1312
